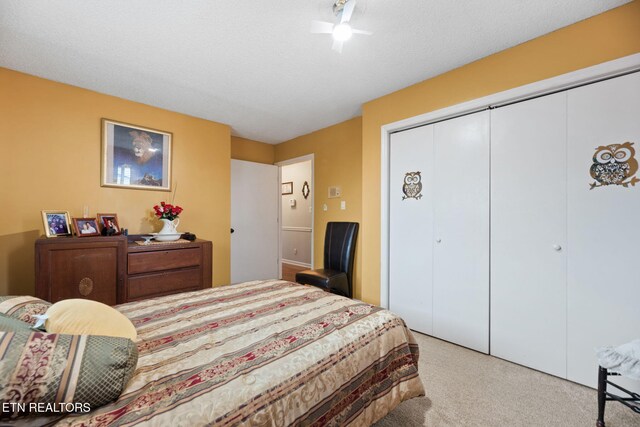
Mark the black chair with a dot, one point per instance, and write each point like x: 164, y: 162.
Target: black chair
x: 339, y: 253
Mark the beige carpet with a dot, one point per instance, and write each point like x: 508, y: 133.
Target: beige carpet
x: 466, y: 388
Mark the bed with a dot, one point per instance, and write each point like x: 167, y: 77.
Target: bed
x: 262, y: 353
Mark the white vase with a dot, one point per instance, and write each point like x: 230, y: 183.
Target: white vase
x: 168, y: 231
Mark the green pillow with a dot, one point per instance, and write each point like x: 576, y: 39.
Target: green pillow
x: 23, y: 307
x: 14, y: 325
x: 74, y: 372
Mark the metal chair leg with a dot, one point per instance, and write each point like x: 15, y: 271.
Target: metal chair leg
x: 602, y: 397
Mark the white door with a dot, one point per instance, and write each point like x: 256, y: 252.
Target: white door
x: 411, y: 227
x: 254, y: 221
x: 528, y: 233
x: 604, y: 222
x: 461, y: 231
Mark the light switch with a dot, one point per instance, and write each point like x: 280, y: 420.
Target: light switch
x: 325, y: 207
x: 343, y: 205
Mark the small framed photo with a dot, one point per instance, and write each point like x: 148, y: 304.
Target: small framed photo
x: 135, y: 157
x: 56, y: 223
x: 86, y: 227
x: 287, y: 188
x: 109, y: 224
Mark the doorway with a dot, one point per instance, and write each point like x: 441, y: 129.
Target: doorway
x: 296, y: 216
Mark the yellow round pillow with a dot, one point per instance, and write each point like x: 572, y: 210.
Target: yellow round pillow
x: 87, y: 317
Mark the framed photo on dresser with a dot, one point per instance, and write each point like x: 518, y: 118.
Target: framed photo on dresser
x: 86, y: 227
x: 56, y: 223
x: 109, y: 224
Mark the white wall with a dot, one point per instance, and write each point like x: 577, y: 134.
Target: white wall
x: 296, y: 220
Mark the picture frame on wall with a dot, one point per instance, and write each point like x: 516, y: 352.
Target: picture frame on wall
x: 109, y: 225
x: 135, y: 157
x: 86, y: 227
x: 56, y: 223
x: 287, y: 188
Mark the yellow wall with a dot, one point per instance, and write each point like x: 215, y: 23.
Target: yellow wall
x: 602, y: 38
x: 50, y: 145
x: 337, y: 161
x: 253, y: 151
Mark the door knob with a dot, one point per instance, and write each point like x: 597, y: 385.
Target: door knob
x: 557, y: 247
x: 232, y: 230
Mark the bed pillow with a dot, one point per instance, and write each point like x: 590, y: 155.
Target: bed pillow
x: 87, y: 317
x: 23, y: 307
x: 75, y: 372
x: 11, y: 324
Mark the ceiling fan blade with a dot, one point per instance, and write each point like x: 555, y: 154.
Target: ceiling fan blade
x: 337, y: 46
x: 366, y: 33
x: 321, y: 27
x: 347, y: 11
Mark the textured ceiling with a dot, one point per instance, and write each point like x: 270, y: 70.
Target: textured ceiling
x: 254, y: 64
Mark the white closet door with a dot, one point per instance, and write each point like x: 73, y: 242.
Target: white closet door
x: 604, y: 223
x: 411, y: 227
x: 461, y: 231
x: 528, y: 233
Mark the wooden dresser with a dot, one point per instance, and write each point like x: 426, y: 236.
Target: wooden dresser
x: 163, y: 269
x: 86, y: 267
x: 114, y: 270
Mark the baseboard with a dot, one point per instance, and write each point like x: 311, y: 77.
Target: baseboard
x: 296, y: 263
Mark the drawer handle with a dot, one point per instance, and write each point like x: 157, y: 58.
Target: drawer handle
x: 85, y: 287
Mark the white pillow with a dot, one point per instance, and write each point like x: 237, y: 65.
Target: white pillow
x: 624, y: 359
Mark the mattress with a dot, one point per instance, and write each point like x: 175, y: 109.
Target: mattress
x: 262, y: 353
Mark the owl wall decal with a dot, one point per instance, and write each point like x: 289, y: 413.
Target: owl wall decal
x: 614, y: 164
x: 412, y: 186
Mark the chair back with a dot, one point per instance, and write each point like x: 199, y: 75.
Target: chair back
x: 340, y: 247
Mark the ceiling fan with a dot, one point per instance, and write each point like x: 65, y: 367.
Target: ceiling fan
x: 341, y: 31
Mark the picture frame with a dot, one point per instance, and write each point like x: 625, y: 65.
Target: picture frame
x: 109, y: 225
x: 56, y: 223
x: 287, y: 188
x: 86, y: 227
x: 135, y: 157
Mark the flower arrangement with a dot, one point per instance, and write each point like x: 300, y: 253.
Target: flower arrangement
x: 167, y: 211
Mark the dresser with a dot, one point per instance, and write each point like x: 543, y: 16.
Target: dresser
x: 114, y: 270
x: 163, y: 269
x: 81, y: 267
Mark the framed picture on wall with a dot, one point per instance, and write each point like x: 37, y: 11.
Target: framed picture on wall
x: 86, y: 227
x: 109, y: 224
x: 56, y: 223
x: 287, y: 188
x: 135, y: 157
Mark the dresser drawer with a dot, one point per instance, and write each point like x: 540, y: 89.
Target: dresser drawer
x: 163, y: 260
x: 151, y: 285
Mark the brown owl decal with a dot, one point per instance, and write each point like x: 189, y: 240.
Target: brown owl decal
x: 614, y: 164
x: 412, y: 187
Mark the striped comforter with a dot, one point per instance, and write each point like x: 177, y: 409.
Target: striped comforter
x: 264, y: 353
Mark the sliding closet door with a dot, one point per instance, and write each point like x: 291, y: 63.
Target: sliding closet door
x: 604, y: 221
x: 461, y: 231
x: 528, y: 233
x: 411, y: 227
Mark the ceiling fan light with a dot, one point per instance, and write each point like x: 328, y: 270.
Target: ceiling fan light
x: 342, y: 32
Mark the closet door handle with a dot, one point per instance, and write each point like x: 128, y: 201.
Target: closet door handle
x: 438, y: 240
x: 557, y: 247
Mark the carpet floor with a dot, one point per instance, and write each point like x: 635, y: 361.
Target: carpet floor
x: 467, y: 388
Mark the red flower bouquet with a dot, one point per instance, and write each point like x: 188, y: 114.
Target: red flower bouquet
x: 167, y: 211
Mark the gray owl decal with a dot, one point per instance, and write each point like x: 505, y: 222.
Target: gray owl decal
x: 614, y: 164
x: 412, y: 187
